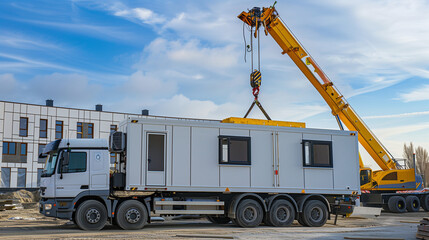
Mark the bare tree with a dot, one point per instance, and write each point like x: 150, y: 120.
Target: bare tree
x: 422, y: 162
x: 408, y: 155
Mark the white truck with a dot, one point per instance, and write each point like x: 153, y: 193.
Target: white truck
x: 243, y: 173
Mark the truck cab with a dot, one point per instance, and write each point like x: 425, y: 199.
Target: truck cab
x: 74, y: 170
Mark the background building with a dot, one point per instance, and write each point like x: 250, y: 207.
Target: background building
x: 26, y: 128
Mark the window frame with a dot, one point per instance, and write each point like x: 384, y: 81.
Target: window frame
x: 62, y: 128
x: 10, y: 176
x: 46, y: 127
x: 312, y: 164
x: 26, y: 127
x: 79, y: 125
x: 60, y: 160
x: 20, y: 149
x: 8, y: 147
x: 25, y: 177
x: 236, y: 138
x: 90, y: 125
x: 81, y: 133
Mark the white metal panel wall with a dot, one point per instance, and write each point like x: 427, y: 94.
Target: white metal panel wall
x: 204, y: 157
x: 291, y: 173
x: 234, y: 176
x: 262, y: 159
x: 181, y: 166
x: 346, y: 161
x: 134, y: 155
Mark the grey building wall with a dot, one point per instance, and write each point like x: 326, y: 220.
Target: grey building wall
x: 10, y: 114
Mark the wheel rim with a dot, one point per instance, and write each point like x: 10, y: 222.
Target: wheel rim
x: 401, y: 205
x: 132, y: 215
x: 250, y: 214
x: 93, y: 215
x: 282, y: 214
x: 316, y: 214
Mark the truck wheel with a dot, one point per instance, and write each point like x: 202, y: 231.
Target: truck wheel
x: 131, y: 215
x: 315, y: 213
x: 219, y: 220
x: 91, y: 215
x: 249, y: 213
x: 424, y: 201
x: 397, y: 204
x: 413, y: 203
x: 282, y: 213
x: 301, y: 220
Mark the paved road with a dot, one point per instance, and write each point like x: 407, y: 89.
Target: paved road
x: 388, y: 225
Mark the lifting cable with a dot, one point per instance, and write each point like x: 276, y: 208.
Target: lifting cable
x: 255, y: 76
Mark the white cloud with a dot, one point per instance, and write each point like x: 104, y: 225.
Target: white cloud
x: 400, y: 115
x: 420, y: 94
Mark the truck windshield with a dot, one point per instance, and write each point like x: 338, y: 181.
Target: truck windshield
x: 49, y: 169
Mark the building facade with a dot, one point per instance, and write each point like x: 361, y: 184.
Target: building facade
x: 26, y: 128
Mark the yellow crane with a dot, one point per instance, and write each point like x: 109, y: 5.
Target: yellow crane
x: 382, y: 185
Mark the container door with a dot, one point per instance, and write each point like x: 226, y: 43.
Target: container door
x: 155, y: 158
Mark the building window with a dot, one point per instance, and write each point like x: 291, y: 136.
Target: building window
x: 317, y: 153
x: 113, y: 128
x: 85, y: 130
x: 39, y: 175
x: 5, y: 177
x: 21, y: 183
x: 59, y: 129
x: 41, y: 147
x: 234, y: 150
x: 23, y: 127
x: 9, y: 148
x: 23, y: 149
x: 43, y: 133
x: 77, y: 163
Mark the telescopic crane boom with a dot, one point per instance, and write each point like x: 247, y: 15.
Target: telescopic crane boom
x: 269, y: 19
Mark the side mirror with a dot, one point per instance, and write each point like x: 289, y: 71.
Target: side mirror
x: 65, y: 160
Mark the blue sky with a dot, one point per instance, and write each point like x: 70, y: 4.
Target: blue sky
x: 186, y: 58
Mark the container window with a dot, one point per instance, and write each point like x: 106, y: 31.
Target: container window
x: 317, y: 153
x: 234, y: 150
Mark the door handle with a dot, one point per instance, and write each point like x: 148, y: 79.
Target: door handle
x: 84, y: 187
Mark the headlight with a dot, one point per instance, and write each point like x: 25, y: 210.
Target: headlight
x: 48, y: 206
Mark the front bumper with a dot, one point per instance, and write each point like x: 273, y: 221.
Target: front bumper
x: 60, y: 208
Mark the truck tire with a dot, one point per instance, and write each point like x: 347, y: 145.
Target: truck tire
x: 249, y: 213
x: 315, y: 213
x: 413, y: 203
x: 91, y: 215
x: 397, y: 204
x: 281, y: 213
x: 131, y: 215
x: 301, y: 220
x: 424, y: 202
x: 219, y: 220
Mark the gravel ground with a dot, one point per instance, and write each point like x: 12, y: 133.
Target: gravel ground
x: 29, y: 224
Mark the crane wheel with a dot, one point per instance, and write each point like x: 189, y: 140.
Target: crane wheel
x: 397, y: 204
x: 413, y: 203
x: 424, y: 202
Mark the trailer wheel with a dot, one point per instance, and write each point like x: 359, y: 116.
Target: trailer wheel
x: 397, y: 204
x: 424, y: 201
x: 249, y: 213
x: 315, y: 213
x: 281, y: 214
x: 301, y: 220
x: 91, y: 215
x: 131, y: 215
x: 413, y: 203
x: 219, y: 220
